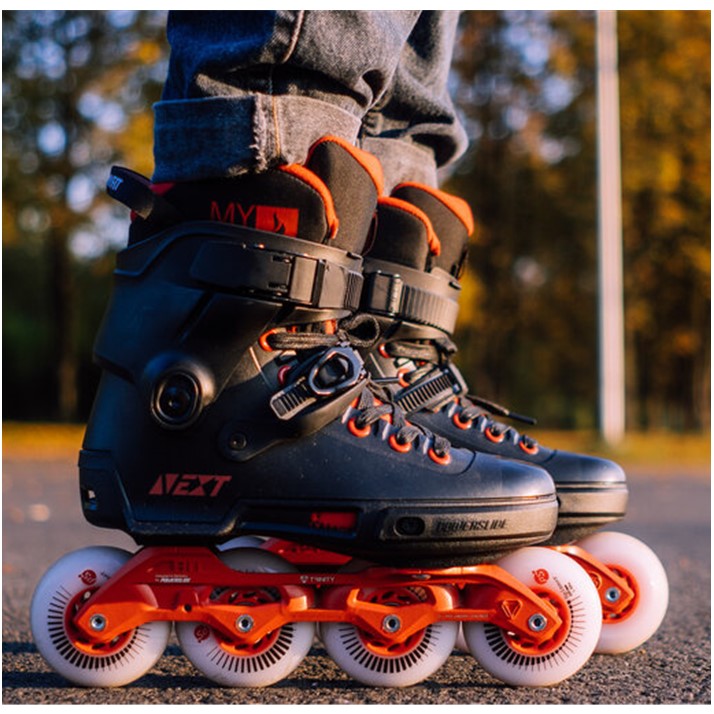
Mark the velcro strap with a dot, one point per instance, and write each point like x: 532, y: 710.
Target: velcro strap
x: 432, y: 392
x: 407, y: 294
x: 278, y: 274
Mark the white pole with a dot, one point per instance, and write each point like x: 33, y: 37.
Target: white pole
x: 610, y: 294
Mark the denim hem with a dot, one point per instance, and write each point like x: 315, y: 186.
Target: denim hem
x: 214, y: 137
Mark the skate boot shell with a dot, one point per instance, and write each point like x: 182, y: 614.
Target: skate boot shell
x: 244, y: 407
x: 234, y: 403
x: 411, y: 286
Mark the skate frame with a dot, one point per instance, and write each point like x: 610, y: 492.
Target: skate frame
x: 174, y: 583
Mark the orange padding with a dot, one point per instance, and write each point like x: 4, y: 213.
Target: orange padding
x: 431, y: 237
x: 316, y: 183
x: 456, y: 205
x: 369, y: 162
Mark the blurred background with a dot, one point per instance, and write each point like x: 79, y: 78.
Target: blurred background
x: 77, y: 93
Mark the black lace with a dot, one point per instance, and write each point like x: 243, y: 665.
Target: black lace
x: 361, y: 331
x: 407, y: 433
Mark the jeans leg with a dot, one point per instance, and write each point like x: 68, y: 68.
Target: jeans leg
x: 248, y: 89
x: 414, y: 129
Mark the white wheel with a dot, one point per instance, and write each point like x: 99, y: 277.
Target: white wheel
x: 518, y: 662
x: 246, y: 541
x: 379, y: 663
x: 60, y: 592
x: 637, y: 563
x: 267, y: 661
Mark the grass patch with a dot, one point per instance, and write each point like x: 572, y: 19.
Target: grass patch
x: 43, y: 441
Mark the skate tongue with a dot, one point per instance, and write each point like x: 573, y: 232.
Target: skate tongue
x: 450, y: 217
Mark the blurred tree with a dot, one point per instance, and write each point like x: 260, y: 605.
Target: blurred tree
x: 525, y: 85
x: 665, y: 86
x: 76, y: 91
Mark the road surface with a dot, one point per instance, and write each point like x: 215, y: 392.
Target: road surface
x: 669, y: 511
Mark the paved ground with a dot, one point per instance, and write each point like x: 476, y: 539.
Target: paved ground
x: 669, y: 511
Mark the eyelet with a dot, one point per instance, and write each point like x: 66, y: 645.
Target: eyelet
x: 355, y: 430
x: 456, y: 418
x: 401, y: 448
x: 443, y: 460
x: 400, y: 376
x: 263, y: 340
x: 495, y: 437
x: 283, y: 374
x: 382, y: 349
x: 531, y: 448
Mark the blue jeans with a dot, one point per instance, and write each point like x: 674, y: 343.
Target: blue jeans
x: 249, y: 89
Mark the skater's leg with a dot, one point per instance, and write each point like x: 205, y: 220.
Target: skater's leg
x: 248, y: 90
x: 414, y: 128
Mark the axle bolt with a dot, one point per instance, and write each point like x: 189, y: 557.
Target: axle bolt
x: 391, y: 624
x: 97, y: 622
x: 537, y: 622
x: 612, y: 594
x: 244, y: 623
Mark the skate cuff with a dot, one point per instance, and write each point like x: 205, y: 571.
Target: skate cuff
x: 412, y: 295
x: 263, y: 265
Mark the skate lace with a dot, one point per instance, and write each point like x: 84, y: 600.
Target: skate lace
x: 466, y: 410
x: 374, y: 402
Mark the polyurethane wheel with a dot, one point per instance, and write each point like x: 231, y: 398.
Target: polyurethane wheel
x: 60, y: 593
x: 378, y: 662
x: 231, y: 663
x: 637, y: 563
x: 523, y: 662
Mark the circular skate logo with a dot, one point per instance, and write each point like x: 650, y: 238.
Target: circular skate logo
x: 541, y: 576
x: 88, y: 577
x: 202, y: 633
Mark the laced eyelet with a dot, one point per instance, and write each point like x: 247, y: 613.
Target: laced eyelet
x: 382, y: 349
x: 283, y: 374
x: 397, y: 446
x: 456, y: 418
x: 400, y: 376
x: 442, y: 460
x: 263, y: 340
x: 528, y: 446
x: 495, y: 436
x: 359, y: 431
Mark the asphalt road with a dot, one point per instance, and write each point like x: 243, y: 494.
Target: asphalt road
x: 669, y: 511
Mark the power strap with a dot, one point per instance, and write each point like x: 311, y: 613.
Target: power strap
x: 411, y: 295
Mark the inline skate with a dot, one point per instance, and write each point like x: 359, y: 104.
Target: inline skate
x: 234, y: 403
x: 411, y: 286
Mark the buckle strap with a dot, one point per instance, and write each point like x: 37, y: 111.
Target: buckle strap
x: 258, y: 269
x: 433, y: 392
x: 408, y: 294
x: 336, y: 371
x: 251, y: 262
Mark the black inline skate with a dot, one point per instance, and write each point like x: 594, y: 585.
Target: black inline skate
x: 234, y: 402
x: 411, y: 286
